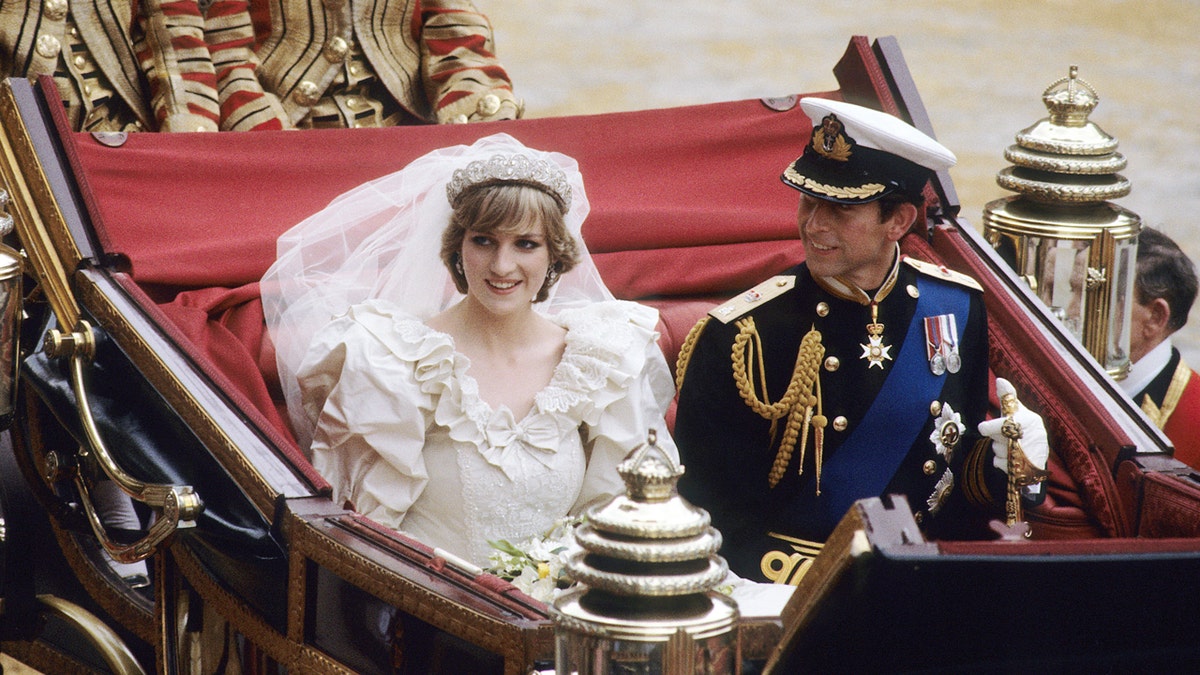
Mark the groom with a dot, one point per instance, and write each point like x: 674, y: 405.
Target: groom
x: 858, y: 373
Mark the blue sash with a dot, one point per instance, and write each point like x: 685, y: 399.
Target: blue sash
x: 869, y: 458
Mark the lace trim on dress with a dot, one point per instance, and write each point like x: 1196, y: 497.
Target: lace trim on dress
x: 605, y: 350
x: 603, y: 355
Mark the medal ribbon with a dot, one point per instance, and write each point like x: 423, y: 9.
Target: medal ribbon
x: 933, y: 329
x: 865, y: 463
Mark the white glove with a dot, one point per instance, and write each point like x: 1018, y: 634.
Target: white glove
x: 1032, y: 437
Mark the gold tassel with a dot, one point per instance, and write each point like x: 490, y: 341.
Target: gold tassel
x: 798, y: 401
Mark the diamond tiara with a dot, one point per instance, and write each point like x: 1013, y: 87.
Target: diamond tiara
x: 520, y: 169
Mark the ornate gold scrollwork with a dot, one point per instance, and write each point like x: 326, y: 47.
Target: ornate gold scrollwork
x: 108, y: 644
x: 177, y: 506
x: 52, y: 256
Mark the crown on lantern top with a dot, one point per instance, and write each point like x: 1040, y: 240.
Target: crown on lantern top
x: 1070, y: 100
x: 649, y: 473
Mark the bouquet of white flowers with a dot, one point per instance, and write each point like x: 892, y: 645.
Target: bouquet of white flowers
x: 537, y: 565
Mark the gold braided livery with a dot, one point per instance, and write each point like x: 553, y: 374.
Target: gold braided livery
x: 835, y: 191
x: 802, y: 397
x: 686, y: 349
x: 1179, y: 380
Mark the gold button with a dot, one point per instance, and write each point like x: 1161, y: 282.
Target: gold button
x: 48, y: 46
x: 781, y: 282
x: 930, y: 467
x: 87, y: 89
x: 355, y: 70
x: 336, y: 50
x: 935, y: 408
x: 840, y: 423
x: 822, y: 309
x: 306, y: 93
x: 80, y: 61
x: 488, y: 105
x: 919, y: 516
x: 832, y: 363
x: 74, y: 31
x: 459, y: 119
x: 55, y: 10
x: 201, y: 127
x: 912, y: 291
x: 351, y: 102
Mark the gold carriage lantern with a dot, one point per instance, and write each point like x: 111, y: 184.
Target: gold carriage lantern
x: 646, y: 568
x: 10, y: 315
x: 1076, y: 249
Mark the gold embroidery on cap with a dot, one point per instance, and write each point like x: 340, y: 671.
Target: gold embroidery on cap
x: 860, y: 192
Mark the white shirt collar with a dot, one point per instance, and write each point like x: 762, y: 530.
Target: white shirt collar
x: 1142, y: 373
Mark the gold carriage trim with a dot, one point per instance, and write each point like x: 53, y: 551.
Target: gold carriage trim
x: 860, y: 192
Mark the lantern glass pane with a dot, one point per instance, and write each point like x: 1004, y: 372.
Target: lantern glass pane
x: 1060, y: 267
x: 1121, y: 302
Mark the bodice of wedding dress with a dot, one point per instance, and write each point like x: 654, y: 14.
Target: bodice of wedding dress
x: 403, y: 435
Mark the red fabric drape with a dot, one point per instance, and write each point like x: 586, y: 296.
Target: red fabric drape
x: 686, y: 208
x: 200, y: 210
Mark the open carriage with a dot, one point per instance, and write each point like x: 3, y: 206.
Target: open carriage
x: 146, y: 362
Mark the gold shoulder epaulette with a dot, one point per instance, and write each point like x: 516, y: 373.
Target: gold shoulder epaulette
x: 943, y: 272
x: 747, y: 300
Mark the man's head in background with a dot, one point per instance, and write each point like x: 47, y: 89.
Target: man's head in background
x: 1163, y: 292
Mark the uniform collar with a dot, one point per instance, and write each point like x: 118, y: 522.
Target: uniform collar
x: 845, y: 289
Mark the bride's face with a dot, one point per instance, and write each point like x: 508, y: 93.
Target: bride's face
x: 506, y: 269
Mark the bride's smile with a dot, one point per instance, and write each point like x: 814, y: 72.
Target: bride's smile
x: 505, y: 270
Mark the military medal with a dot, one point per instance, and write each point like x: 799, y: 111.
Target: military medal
x: 947, y: 431
x: 875, y: 352
x: 933, y: 345
x: 941, y: 492
x: 941, y: 344
x: 953, y: 360
x: 950, y: 335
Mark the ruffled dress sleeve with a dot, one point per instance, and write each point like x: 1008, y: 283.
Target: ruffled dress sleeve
x: 366, y: 386
x: 615, y: 345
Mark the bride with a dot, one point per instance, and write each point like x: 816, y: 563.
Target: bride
x: 449, y: 354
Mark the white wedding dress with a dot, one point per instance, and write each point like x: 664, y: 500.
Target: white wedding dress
x: 402, y: 434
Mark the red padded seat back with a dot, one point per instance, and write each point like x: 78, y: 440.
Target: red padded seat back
x: 685, y: 210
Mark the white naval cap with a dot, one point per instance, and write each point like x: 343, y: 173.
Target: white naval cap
x: 857, y: 155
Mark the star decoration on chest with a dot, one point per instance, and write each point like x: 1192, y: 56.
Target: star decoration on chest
x: 875, y: 352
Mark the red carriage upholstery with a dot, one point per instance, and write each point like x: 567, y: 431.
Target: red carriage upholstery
x: 685, y: 211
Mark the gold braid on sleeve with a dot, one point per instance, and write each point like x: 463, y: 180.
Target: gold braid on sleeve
x: 800, y: 404
x: 686, y: 349
x: 974, y: 479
